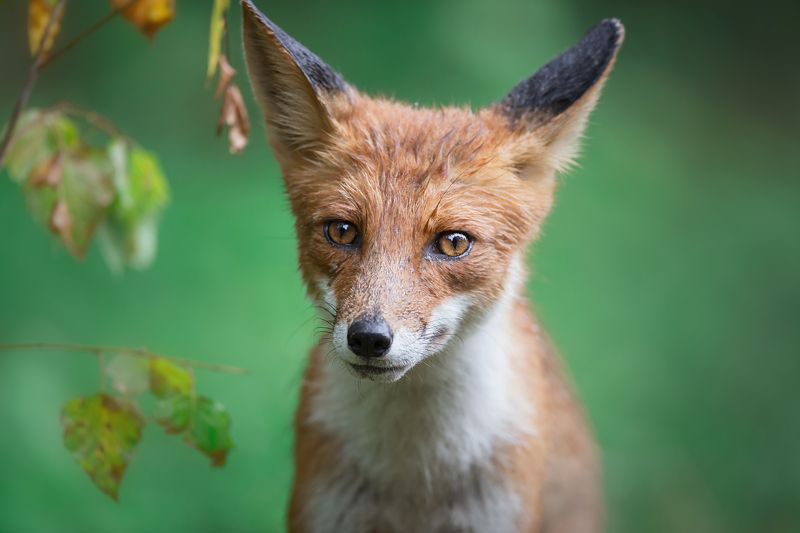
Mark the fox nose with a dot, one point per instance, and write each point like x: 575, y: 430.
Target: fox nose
x: 369, y: 336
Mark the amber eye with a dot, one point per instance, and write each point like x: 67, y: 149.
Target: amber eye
x: 453, y: 244
x: 341, y: 233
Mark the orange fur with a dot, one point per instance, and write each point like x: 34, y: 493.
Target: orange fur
x: 476, y: 424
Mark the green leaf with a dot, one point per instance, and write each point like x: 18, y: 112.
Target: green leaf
x: 209, y: 430
x: 216, y: 34
x: 129, y: 375
x: 87, y: 191
x: 174, y: 413
x: 168, y: 379
x: 102, y: 432
x: 39, y: 135
x: 75, y: 189
x: 129, y: 235
x: 73, y: 207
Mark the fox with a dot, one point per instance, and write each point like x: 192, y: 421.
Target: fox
x: 433, y: 401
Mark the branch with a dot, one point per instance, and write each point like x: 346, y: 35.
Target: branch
x: 134, y: 352
x: 92, y: 117
x: 40, y: 61
x: 85, y: 33
x: 33, y: 73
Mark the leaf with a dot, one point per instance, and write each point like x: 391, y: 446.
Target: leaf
x: 147, y: 15
x: 234, y: 116
x: 47, y: 173
x: 209, y: 430
x: 226, y: 74
x: 102, y: 432
x: 77, y: 204
x: 61, y: 223
x: 75, y: 189
x: 216, y: 33
x: 129, y: 235
x: 67, y: 186
x: 39, y: 12
x: 129, y: 375
x: 86, y: 191
x: 174, y: 413
x: 168, y: 379
x: 39, y: 136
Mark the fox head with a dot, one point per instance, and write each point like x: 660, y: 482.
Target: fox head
x: 410, y: 221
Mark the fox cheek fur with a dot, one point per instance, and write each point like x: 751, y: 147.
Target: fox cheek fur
x: 489, y: 436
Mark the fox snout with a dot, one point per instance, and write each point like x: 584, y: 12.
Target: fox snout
x: 369, y: 336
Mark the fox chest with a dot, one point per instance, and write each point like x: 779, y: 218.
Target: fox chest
x: 475, y: 503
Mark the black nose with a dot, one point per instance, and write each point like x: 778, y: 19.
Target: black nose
x: 369, y: 336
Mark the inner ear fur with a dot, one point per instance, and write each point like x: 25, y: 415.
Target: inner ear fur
x: 552, y: 106
x: 291, y: 83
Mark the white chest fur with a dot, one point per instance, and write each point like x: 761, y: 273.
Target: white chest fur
x: 418, y: 454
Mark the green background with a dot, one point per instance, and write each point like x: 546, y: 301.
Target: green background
x: 668, y: 273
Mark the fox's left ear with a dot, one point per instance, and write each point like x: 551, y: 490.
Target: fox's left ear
x: 292, y: 84
x: 554, y: 104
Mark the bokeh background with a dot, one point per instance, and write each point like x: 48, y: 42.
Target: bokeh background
x: 668, y: 273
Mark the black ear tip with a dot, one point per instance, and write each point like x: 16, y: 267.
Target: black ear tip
x: 565, y: 79
x: 611, y: 31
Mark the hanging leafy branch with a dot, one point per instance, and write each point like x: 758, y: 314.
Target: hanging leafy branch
x: 115, y: 189
x: 82, y: 176
x: 102, y: 430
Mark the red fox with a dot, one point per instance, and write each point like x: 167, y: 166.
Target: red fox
x: 433, y: 402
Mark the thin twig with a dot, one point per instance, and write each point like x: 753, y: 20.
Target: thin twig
x: 85, y: 33
x: 92, y: 117
x: 33, y: 73
x: 101, y: 362
x: 123, y: 350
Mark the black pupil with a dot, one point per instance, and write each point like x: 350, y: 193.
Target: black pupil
x: 342, y: 228
x: 456, y: 242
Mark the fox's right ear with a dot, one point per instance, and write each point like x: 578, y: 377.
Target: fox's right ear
x: 291, y: 83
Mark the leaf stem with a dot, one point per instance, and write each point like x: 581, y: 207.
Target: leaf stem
x: 123, y: 350
x: 92, y: 117
x: 85, y: 33
x: 33, y: 74
x: 101, y: 364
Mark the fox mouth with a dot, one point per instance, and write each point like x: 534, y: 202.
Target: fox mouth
x: 372, y: 370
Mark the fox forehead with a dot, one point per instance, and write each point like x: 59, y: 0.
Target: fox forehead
x: 390, y: 165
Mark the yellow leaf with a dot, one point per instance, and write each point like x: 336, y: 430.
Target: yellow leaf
x: 216, y: 33
x: 39, y: 12
x: 147, y: 15
x: 102, y: 432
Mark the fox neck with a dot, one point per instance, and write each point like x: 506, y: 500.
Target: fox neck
x: 446, y: 417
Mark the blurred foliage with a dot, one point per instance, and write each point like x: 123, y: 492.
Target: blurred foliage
x: 39, y: 12
x: 103, y: 430
x: 73, y: 187
x: 667, y: 273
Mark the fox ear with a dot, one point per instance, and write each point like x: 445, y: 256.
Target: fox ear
x: 555, y: 102
x: 291, y: 83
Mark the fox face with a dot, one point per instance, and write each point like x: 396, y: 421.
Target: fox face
x: 411, y: 222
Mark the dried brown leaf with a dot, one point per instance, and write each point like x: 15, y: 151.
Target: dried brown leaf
x: 234, y: 116
x: 226, y: 74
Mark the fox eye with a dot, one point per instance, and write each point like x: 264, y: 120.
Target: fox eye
x: 341, y: 233
x: 453, y: 244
